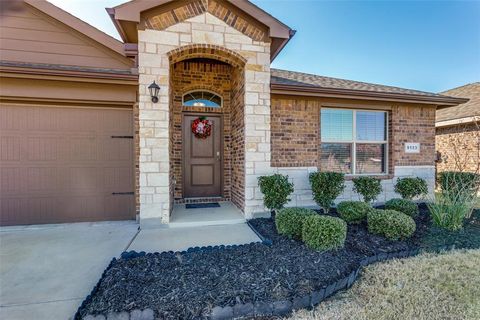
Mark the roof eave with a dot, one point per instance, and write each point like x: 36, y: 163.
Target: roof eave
x: 130, y: 12
x: 277, y: 50
x: 364, y: 95
x: 78, y: 25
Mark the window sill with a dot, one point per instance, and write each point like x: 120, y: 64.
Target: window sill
x: 377, y: 176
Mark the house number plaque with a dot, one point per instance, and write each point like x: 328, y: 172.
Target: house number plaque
x: 412, y: 147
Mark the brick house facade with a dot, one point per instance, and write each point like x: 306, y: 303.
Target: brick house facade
x: 266, y: 120
x: 458, y: 132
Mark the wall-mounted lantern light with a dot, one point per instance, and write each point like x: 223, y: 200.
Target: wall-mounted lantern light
x: 154, y: 89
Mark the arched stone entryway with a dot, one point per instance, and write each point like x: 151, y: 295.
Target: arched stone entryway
x: 202, y: 37
x: 218, y: 70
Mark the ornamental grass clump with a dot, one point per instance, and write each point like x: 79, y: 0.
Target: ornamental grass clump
x: 276, y: 189
x: 326, y: 187
x: 353, y: 211
x: 289, y: 221
x: 403, y: 205
x: 368, y: 187
x: 455, y: 201
x: 410, y: 188
x: 324, y: 232
x: 391, y: 224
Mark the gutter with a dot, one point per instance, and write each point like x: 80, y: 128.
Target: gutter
x: 466, y: 120
x: 71, y: 75
x: 363, y: 95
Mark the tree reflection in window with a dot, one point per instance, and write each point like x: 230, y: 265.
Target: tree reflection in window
x: 202, y: 99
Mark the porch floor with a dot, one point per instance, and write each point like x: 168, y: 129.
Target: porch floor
x: 227, y: 213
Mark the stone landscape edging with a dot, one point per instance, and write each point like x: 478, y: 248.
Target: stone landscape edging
x: 259, y: 308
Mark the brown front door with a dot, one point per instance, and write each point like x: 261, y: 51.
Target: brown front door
x: 202, y: 159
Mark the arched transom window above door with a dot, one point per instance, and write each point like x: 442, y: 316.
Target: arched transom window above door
x: 202, y: 98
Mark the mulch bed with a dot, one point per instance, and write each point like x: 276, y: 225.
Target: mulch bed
x: 188, y: 285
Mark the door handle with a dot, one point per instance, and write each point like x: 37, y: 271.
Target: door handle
x: 218, y: 155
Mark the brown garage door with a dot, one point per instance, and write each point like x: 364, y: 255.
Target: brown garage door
x: 62, y: 164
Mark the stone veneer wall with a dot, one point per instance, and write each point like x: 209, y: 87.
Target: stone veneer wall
x: 295, y: 137
x: 204, y: 31
x: 196, y: 75
x: 459, y: 147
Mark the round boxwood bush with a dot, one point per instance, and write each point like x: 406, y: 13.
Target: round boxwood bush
x: 353, y: 211
x: 410, y: 188
x: 289, y: 221
x: 324, y: 232
x: 403, y: 205
x: 391, y: 224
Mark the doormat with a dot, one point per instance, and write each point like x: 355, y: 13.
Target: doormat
x: 202, y: 205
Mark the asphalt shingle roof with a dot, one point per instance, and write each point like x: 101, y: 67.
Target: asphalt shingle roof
x: 285, y: 77
x: 468, y: 109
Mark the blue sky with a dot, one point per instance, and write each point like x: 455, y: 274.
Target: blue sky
x: 424, y: 45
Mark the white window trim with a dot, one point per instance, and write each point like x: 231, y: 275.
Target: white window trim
x: 354, y: 141
x: 201, y: 90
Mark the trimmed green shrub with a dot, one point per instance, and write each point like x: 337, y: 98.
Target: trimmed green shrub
x: 276, y: 189
x: 326, y: 187
x: 368, y: 187
x: 289, y: 221
x: 324, y: 232
x: 403, y: 205
x: 391, y: 224
x: 353, y: 211
x: 410, y: 188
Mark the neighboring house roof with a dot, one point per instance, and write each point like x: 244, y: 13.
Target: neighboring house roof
x: 126, y: 16
x: 464, y: 112
x: 284, y: 81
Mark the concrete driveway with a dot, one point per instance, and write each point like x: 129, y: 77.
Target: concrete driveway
x: 47, y: 271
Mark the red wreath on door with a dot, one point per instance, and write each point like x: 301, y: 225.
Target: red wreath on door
x: 201, y: 128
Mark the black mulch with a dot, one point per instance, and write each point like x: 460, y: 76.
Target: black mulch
x: 188, y: 285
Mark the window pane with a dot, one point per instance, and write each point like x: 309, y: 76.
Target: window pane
x: 370, y: 158
x: 336, y: 157
x: 371, y: 126
x: 202, y: 99
x: 336, y: 125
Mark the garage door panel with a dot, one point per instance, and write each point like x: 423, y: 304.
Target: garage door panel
x: 115, y: 149
x: 61, y: 165
x: 9, y: 148
x: 13, y: 119
x: 83, y: 149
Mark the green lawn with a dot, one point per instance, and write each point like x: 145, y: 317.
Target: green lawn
x: 429, y: 286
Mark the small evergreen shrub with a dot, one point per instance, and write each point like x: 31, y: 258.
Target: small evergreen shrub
x: 289, y: 221
x: 368, y: 187
x: 391, y: 224
x: 403, y: 205
x: 326, y: 187
x: 353, y: 211
x: 410, y: 188
x: 324, y: 232
x: 276, y: 189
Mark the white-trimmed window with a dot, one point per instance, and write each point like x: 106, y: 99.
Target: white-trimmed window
x: 354, y: 141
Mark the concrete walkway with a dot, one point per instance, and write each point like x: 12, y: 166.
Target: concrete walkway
x: 179, y: 239
x: 47, y: 271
